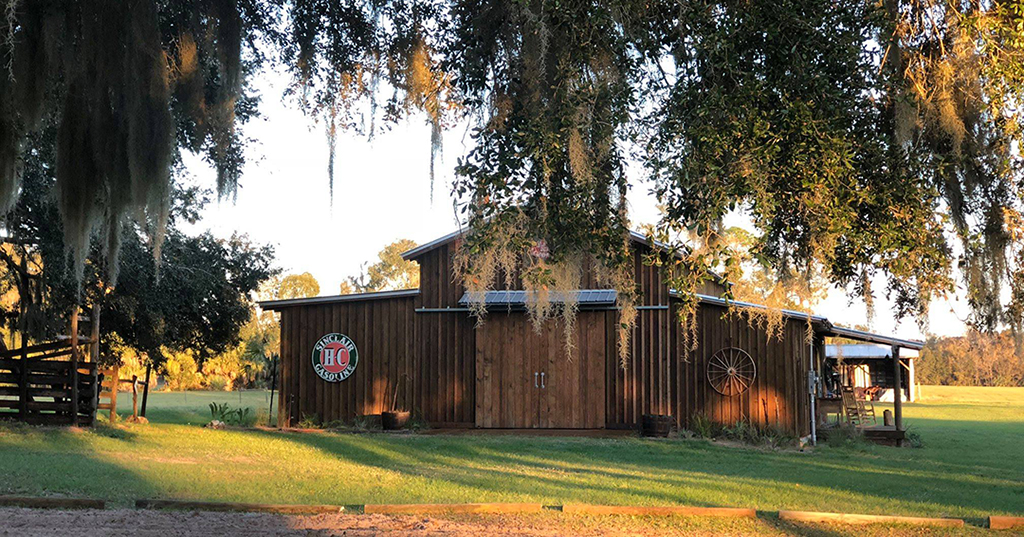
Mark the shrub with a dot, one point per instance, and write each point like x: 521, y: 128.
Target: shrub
x: 913, y: 440
x: 218, y: 383
x: 181, y: 372
x: 243, y: 417
x: 704, y: 427
x: 222, y: 370
x: 748, y: 433
x: 309, y: 421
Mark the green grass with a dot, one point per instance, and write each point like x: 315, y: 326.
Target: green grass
x: 972, y: 464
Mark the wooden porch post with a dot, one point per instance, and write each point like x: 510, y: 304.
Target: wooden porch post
x: 897, y: 391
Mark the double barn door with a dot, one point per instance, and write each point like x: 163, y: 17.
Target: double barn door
x: 525, y: 379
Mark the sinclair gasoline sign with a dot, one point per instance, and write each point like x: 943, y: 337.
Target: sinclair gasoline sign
x: 335, y: 357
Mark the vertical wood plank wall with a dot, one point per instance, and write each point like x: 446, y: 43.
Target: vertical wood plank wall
x: 445, y: 344
x: 662, y: 378
x: 434, y: 351
x: 382, y: 330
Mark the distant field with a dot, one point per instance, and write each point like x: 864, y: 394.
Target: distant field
x: 971, y: 465
x: 970, y: 394
x: 193, y: 407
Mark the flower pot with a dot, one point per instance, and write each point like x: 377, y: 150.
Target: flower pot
x: 391, y: 421
x: 657, y: 424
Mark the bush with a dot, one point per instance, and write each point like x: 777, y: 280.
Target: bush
x: 222, y: 370
x: 243, y: 417
x: 748, y: 433
x: 181, y: 372
x: 704, y: 427
x: 218, y: 383
x: 309, y: 421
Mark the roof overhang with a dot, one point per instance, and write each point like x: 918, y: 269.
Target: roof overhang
x: 865, y: 352
x: 860, y: 335
x: 318, y: 300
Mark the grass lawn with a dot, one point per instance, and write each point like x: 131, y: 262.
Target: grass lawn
x: 972, y: 464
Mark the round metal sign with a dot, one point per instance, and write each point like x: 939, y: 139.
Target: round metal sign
x: 335, y: 357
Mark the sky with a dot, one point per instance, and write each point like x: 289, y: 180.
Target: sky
x: 382, y: 193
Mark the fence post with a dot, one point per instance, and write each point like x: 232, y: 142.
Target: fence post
x: 74, y: 365
x: 23, y: 406
x: 135, y: 396
x: 113, y: 392
x: 94, y: 347
x: 145, y: 387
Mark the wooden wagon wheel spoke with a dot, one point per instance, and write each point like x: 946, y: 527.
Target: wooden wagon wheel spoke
x: 731, y: 371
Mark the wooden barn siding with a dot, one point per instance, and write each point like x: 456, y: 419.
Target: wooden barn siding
x: 445, y: 345
x: 383, y: 333
x: 660, y: 378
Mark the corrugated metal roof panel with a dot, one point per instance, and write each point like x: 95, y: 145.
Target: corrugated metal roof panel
x: 585, y: 297
x: 381, y: 295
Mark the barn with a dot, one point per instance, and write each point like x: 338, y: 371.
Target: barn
x: 422, y: 350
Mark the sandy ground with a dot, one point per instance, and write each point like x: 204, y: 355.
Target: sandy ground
x: 133, y: 522
x: 145, y: 523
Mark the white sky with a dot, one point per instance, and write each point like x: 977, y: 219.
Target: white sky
x: 382, y: 193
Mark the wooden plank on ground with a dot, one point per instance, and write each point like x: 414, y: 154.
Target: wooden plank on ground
x: 239, y: 507
x: 438, y: 508
x: 636, y: 510
x: 51, y: 503
x: 847, y: 518
x: 1005, y: 522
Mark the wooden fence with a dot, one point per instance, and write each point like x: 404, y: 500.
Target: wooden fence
x: 50, y: 384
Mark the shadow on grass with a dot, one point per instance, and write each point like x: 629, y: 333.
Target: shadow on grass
x: 52, y: 461
x: 936, y: 482
x: 889, y: 480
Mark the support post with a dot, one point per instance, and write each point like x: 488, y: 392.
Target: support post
x: 113, y: 392
x: 94, y: 347
x: 145, y: 389
x: 135, y: 397
x: 911, y: 381
x: 273, y: 384
x: 23, y: 387
x: 74, y: 365
x: 897, y: 390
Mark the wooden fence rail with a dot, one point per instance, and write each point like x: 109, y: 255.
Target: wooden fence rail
x: 47, y: 384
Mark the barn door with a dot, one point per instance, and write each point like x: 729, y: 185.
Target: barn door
x: 526, y: 380
x: 508, y: 376
x: 572, y: 394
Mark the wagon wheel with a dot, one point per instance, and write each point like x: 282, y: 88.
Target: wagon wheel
x: 731, y: 371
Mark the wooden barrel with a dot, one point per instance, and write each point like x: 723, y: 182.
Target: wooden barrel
x: 657, y: 424
x: 392, y: 421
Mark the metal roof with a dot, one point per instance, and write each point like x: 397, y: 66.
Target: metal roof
x: 278, y: 304
x: 858, y: 351
x: 860, y: 335
x: 708, y: 299
x: 864, y: 352
x: 432, y: 244
x: 415, y: 252
x: 585, y: 297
